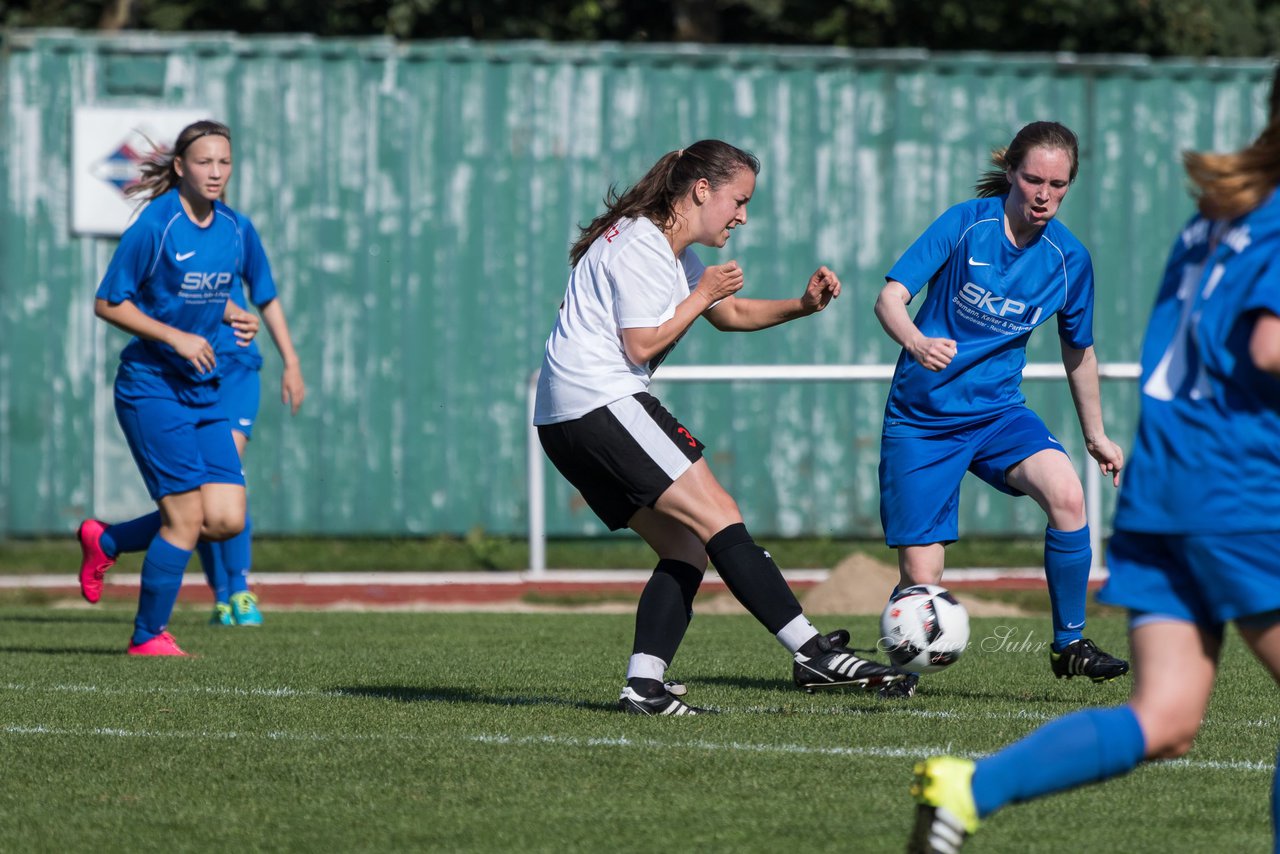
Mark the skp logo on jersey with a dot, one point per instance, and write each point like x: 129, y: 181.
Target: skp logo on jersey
x: 989, y: 302
x: 206, y: 281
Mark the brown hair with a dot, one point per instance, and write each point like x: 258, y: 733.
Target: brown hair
x: 656, y: 194
x: 158, y: 174
x: 1230, y: 185
x: 1035, y: 135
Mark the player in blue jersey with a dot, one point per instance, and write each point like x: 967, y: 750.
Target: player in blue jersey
x: 636, y: 288
x: 1197, y: 539
x: 996, y: 268
x: 168, y: 284
x: 226, y: 564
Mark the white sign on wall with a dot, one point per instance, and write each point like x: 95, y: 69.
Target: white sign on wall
x: 107, y: 146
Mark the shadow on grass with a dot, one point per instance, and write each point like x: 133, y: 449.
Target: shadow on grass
x: 65, y: 618
x: 63, y: 650
x: 751, y: 682
x: 446, y: 694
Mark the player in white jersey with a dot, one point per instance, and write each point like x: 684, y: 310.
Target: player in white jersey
x: 636, y: 288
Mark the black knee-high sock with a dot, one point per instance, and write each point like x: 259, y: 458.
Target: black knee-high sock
x: 665, y: 608
x: 753, y: 578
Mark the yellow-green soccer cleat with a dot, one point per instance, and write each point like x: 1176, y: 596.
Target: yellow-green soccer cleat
x: 244, y: 609
x: 946, y: 814
x: 221, y: 615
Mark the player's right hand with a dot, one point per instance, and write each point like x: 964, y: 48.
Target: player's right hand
x: 195, y: 350
x: 719, y: 281
x: 934, y: 354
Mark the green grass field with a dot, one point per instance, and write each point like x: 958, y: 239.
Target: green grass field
x: 497, y: 732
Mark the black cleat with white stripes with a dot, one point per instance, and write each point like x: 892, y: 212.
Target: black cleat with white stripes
x: 634, y: 703
x: 1083, y: 658
x: 835, y: 666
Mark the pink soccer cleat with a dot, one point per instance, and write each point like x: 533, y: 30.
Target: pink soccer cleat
x: 94, y: 562
x: 161, y: 644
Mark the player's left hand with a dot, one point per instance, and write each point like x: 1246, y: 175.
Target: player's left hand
x: 824, y: 286
x: 1109, y: 456
x: 245, y: 323
x: 292, y: 388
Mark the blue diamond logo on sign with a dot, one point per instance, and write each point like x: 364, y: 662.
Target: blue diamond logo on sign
x: 121, y: 168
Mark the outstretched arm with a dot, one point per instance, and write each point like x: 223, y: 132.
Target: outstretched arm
x: 292, y: 388
x: 738, y: 314
x: 933, y: 354
x: 718, y: 282
x: 1086, y: 392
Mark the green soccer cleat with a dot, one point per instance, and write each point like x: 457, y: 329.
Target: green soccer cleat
x: 221, y: 615
x: 946, y: 814
x: 244, y: 609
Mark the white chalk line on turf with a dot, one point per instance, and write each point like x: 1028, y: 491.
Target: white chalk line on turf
x: 571, y: 742
x: 166, y: 689
x: 878, y: 752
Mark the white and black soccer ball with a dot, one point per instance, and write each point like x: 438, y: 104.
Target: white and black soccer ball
x: 924, y: 629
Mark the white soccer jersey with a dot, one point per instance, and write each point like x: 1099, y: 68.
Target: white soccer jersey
x: 629, y: 278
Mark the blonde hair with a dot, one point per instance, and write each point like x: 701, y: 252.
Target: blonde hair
x: 1226, y: 186
x: 158, y: 174
x: 1035, y: 135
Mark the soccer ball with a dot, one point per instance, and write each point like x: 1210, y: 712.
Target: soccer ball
x: 924, y: 629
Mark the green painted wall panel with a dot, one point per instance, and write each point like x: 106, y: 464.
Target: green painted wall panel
x: 417, y: 202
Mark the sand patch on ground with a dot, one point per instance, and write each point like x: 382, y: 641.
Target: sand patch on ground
x: 860, y: 584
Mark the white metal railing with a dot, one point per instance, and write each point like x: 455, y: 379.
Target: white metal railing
x: 793, y: 373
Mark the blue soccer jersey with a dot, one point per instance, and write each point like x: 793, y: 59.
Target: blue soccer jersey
x: 988, y: 296
x: 178, y: 273
x: 256, y: 285
x: 1206, y: 459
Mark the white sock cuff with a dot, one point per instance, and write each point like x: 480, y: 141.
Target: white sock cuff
x: 644, y: 666
x: 797, y: 633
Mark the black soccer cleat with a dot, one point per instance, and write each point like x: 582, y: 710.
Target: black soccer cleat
x: 1083, y: 658
x: 904, y: 690
x: 633, y: 703
x: 837, y: 666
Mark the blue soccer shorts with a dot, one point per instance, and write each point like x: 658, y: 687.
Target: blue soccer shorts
x: 920, y: 473
x: 178, y: 447
x: 241, y: 392
x: 1206, y: 579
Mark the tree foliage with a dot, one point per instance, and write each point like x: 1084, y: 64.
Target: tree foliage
x: 1194, y: 28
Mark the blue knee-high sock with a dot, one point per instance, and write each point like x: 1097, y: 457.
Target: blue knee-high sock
x: 237, y: 556
x: 132, y: 536
x: 215, y: 569
x: 1088, y: 746
x: 1067, y: 558
x: 161, y: 580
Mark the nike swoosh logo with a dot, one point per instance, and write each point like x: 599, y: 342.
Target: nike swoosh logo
x: 973, y: 263
x: 182, y: 256
x: 1074, y: 626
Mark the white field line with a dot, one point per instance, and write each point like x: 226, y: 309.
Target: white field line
x: 699, y: 745
x: 879, y: 752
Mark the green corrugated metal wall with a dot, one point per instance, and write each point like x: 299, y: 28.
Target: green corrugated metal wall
x: 417, y: 201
